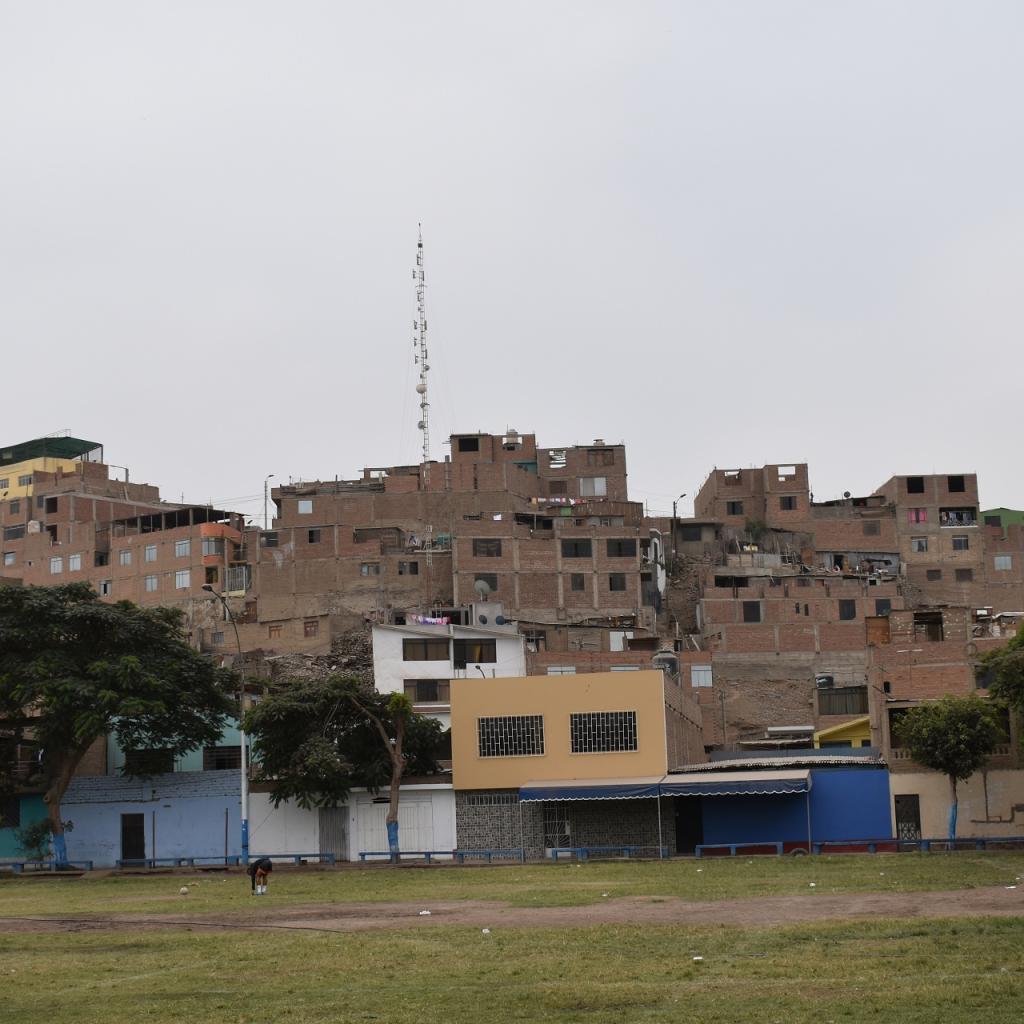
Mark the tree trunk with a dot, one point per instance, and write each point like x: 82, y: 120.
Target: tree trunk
x: 52, y: 798
x: 397, y: 764
x: 952, y: 809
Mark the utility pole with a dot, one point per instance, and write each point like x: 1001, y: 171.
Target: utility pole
x: 419, y: 341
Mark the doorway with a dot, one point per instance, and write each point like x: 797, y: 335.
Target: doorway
x: 908, y: 816
x: 133, y: 837
x: 557, y: 826
x: 689, y: 824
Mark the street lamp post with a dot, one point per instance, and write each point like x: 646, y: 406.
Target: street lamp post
x: 266, y: 497
x: 244, y: 781
x: 674, y: 517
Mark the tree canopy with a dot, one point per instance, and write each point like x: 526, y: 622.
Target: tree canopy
x: 954, y: 735
x: 74, y: 668
x: 1005, y: 671
x: 315, y: 740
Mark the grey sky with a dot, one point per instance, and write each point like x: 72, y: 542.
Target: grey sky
x: 724, y: 233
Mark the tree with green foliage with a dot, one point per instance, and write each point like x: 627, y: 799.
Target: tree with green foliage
x: 1004, y: 672
x: 316, y: 739
x: 74, y: 668
x: 955, y: 736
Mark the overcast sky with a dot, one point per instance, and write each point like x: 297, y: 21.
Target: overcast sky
x: 723, y: 233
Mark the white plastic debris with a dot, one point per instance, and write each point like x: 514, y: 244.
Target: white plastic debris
x: 486, y: 931
x: 183, y: 891
x: 813, y: 884
x: 424, y: 913
x: 699, y: 870
x: 604, y: 894
x: 1011, y: 887
x: 698, y: 959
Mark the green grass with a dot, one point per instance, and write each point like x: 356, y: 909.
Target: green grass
x: 531, y: 885
x: 907, y: 972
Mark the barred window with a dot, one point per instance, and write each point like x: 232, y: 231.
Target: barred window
x: 511, y: 735
x: 503, y: 799
x: 595, y: 732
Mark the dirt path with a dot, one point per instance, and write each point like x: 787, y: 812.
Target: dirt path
x: 758, y: 912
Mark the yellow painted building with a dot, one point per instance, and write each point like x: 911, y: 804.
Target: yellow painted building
x: 855, y: 733
x: 20, y: 462
x: 607, y: 725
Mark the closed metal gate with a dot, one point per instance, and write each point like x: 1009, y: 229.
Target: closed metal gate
x: 908, y: 816
x: 334, y: 831
x: 557, y: 826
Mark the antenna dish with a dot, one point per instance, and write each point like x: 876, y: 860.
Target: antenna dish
x: 483, y: 589
x: 846, y: 494
x: 482, y: 619
x: 500, y: 620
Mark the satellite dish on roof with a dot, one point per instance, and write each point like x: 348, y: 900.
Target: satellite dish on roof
x: 483, y: 589
x: 846, y: 494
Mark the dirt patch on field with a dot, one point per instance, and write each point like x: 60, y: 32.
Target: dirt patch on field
x: 759, y: 912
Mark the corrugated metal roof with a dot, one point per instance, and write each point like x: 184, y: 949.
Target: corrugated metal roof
x: 768, y: 764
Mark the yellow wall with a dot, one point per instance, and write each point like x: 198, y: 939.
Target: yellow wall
x: 857, y: 732
x: 556, y: 698
x: 11, y: 472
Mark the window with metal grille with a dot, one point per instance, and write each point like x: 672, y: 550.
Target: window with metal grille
x: 486, y: 547
x: 576, y: 549
x: 625, y: 548
x: 787, y: 503
x: 490, y: 799
x: 511, y: 736
x: 602, y: 732
x: 424, y: 650
x: 239, y: 577
x: 220, y: 759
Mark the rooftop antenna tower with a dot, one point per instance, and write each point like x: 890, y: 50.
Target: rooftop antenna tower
x: 419, y: 341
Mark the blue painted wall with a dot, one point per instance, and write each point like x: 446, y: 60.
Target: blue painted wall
x: 187, y: 814
x: 32, y: 810
x: 846, y: 803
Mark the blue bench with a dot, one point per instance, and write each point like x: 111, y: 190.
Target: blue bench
x: 733, y: 847
x: 425, y: 855
x: 516, y: 853
x: 18, y: 866
x: 298, y: 858
x: 585, y: 852
x: 175, y: 862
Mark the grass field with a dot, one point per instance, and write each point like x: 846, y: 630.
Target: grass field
x: 552, y: 885
x: 840, y: 971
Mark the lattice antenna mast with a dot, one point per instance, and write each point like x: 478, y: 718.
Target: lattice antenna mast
x: 419, y: 341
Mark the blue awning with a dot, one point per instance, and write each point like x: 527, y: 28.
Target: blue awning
x: 591, y: 789
x: 736, y: 783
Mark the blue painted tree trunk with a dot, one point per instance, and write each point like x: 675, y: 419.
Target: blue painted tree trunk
x: 393, y: 847
x: 952, y: 810
x: 60, y: 850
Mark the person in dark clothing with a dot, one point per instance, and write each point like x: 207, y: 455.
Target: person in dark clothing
x: 258, y: 871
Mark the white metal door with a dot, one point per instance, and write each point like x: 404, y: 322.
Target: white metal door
x: 415, y: 826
